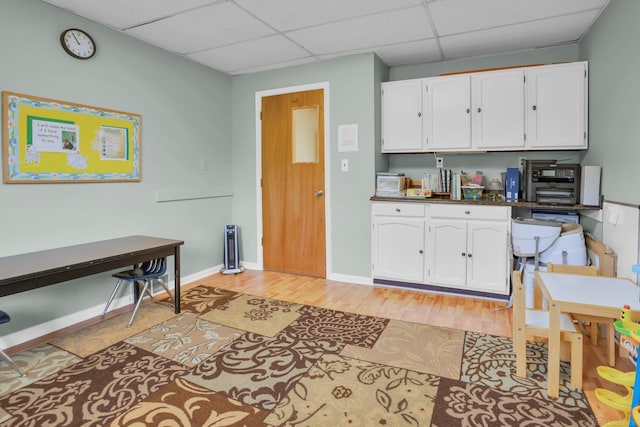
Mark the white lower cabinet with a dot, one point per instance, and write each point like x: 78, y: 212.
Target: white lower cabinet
x: 397, y: 242
x: 457, y: 246
x: 469, y: 247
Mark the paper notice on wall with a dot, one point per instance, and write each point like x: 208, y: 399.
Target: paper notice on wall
x: 347, y: 138
x: 53, y: 136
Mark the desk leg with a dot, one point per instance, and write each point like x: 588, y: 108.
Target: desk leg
x: 176, y: 280
x: 553, y: 370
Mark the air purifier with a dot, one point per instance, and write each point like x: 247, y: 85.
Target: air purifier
x: 231, y: 251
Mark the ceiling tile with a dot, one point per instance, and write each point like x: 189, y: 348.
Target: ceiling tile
x: 217, y: 25
x: 459, y: 16
x: 286, y: 15
x: 251, y: 54
x: 360, y: 33
x: 275, y: 66
x: 123, y: 14
x: 419, y: 52
x: 543, y: 33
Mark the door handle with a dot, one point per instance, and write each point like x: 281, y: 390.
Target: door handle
x: 319, y: 193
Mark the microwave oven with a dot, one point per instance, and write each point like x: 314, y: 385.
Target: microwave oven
x: 390, y: 184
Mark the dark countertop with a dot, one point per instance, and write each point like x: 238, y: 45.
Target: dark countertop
x: 530, y: 205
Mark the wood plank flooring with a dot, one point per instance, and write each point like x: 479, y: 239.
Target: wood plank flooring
x: 463, y: 313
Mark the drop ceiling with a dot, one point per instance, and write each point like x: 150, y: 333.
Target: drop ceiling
x: 245, y: 36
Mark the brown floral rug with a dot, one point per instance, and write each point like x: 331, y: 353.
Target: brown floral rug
x: 231, y: 359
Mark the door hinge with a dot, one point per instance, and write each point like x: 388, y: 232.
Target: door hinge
x: 585, y: 135
x: 524, y: 79
x: 525, y: 137
x: 585, y: 74
x: 262, y: 241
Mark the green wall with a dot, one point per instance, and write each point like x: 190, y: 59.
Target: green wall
x: 186, y: 117
x: 611, y: 47
x: 352, y: 91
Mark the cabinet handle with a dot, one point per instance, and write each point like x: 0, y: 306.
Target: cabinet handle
x: 463, y: 254
x: 468, y: 110
x: 534, y: 108
x: 469, y: 255
x: 479, y: 110
x: 467, y: 212
x: 397, y: 209
x: 421, y: 251
x: 419, y: 114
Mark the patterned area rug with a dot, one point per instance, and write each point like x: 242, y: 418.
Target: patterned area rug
x: 237, y: 360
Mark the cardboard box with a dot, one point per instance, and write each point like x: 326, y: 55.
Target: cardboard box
x: 512, y: 186
x: 629, y: 345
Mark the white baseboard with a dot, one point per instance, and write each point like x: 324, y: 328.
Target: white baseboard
x: 42, y: 329
x: 358, y: 280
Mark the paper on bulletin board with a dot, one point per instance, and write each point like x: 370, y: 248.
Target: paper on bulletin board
x: 347, y: 138
x: 47, y: 140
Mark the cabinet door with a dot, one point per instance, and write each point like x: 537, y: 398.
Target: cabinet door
x: 448, y: 253
x: 487, y: 256
x: 557, y: 106
x: 498, y: 110
x: 447, y: 121
x: 398, y: 249
x: 402, y: 116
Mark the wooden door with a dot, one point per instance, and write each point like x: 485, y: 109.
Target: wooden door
x: 293, y: 220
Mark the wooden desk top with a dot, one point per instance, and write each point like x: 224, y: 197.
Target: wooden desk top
x: 60, y: 264
x: 596, y: 291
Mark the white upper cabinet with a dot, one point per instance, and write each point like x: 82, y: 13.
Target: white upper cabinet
x: 529, y: 108
x: 557, y: 107
x: 498, y: 110
x: 447, y: 113
x: 402, y: 116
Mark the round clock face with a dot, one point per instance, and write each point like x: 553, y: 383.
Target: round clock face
x: 77, y: 43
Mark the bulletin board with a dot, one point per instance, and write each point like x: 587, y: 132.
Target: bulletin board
x: 49, y: 141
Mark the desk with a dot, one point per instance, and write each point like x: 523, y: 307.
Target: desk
x: 594, y: 295
x: 23, y: 272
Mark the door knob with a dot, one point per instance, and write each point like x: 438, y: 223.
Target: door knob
x: 319, y: 193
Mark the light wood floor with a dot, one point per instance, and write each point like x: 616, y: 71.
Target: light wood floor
x: 467, y: 314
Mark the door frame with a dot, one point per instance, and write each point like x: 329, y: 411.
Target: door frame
x: 327, y: 169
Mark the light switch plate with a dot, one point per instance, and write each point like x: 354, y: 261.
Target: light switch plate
x: 344, y: 165
x: 439, y: 162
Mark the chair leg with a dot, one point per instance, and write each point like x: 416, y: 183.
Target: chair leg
x: 145, y: 289
x: 113, y: 294
x: 10, y: 361
x: 166, y: 288
x: 520, y: 347
x: 576, y: 361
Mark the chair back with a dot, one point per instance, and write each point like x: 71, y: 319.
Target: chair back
x: 583, y: 270
x: 519, y: 303
x: 155, y: 268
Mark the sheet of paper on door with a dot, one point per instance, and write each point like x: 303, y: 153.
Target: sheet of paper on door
x: 347, y: 138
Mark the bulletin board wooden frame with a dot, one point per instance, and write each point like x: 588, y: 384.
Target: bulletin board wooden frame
x: 50, y: 141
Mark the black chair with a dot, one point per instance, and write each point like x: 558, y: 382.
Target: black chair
x: 142, y: 277
x: 4, y: 318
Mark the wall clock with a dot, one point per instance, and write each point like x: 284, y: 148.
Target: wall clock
x: 78, y: 43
